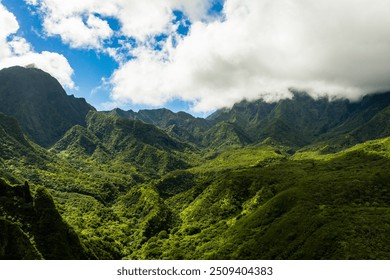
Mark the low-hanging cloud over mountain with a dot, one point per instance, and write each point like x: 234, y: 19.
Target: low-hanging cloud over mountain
x: 264, y: 48
x: 253, y: 49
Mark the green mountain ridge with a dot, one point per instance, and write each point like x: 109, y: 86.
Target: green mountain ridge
x: 297, y: 122
x: 303, y: 121
x: 225, y: 134
x: 37, y: 100
x: 180, y: 125
x: 301, y: 178
x: 130, y: 141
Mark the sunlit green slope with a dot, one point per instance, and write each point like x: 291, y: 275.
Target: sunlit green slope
x: 333, y: 207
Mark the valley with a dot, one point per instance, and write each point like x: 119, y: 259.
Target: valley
x: 301, y: 178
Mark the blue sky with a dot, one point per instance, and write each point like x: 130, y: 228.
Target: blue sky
x: 90, y: 66
x: 200, y: 55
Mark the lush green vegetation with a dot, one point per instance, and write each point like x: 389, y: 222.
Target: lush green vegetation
x: 334, y: 208
x: 248, y: 203
x: 42, y: 107
x: 32, y: 228
x: 297, y: 179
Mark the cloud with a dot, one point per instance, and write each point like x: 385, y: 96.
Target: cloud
x: 55, y: 64
x: 15, y: 50
x: 84, y: 24
x: 256, y: 49
x: 264, y: 48
x: 77, y: 33
x: 8, y: 25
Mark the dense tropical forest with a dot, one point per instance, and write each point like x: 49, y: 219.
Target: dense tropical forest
x: 301, y: 178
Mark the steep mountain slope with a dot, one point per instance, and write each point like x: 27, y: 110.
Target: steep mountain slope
x: 125, y: 140
x: 247, y: 115
x: 16, y: 150
x: 369, y: 119
x: 295, y: 122
x: 12, y: 141
x: 40, y: 104
x: 302, y: 120
x: 32, y: 228
x: 225, y: 134
x: 9, y: 128
x: 116, y: 132
x: 362, y: 112
x: 78, y: 140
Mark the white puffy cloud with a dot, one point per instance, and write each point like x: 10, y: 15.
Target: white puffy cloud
x: 77, y: 33
x: 264, y: 48
x: 15, y: 50
x: 53, y: 63
x: 257, y: 49
x: 8, y: 25
x: 19, y: 46
x: 83, y: 24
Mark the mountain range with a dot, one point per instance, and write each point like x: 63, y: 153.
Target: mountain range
x: 301, y: 178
